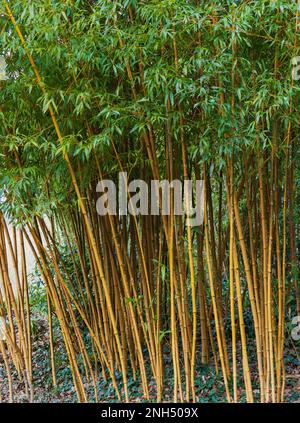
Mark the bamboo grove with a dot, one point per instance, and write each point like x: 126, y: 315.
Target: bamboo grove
x: 162, y: 90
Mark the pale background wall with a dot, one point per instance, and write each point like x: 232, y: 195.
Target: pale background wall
x: 30, y: 263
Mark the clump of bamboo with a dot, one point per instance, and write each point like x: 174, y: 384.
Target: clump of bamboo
x: 160, y: 91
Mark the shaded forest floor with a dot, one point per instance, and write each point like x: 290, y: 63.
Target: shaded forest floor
x: 209, y: 385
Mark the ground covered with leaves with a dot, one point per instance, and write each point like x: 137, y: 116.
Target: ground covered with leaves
x: 209, y: 385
